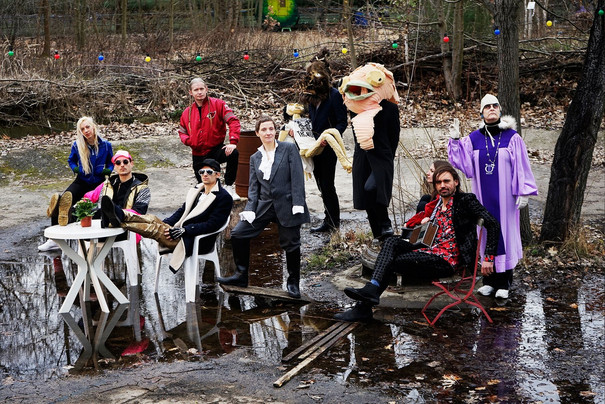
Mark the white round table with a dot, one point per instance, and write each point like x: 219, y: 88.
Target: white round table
x: 89, y: 260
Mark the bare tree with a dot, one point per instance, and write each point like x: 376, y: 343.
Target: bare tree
x: 452, y: 65
x: 574, y: 148
x: 45, y: 9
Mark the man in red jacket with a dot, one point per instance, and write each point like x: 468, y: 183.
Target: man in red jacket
x: 203, y: 127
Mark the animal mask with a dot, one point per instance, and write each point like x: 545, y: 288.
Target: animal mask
x: 315, y: 86
x: 363, y: 89
x: 362, y: 92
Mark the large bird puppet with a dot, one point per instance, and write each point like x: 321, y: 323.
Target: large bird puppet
x: 362, y: 92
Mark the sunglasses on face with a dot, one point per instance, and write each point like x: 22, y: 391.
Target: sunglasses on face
x: 494, y: 106
x: 206, y: 171
x: 120, y: 162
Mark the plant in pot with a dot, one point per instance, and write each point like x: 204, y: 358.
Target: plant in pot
x: 84, y: 209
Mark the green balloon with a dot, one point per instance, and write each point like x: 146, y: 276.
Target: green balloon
x: 601, y: 12
x: 198, y: 58
x: 11, y: 53
x: 395, y: 45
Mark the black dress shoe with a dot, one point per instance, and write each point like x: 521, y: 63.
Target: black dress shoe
x: 323, y: 228
x: 370, y: 293
x: 360, y: 312
x: 293, y: 290
x: 386, y: 232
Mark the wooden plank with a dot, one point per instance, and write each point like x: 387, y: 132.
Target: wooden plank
x: 265, y: 292
x: 335, y: 326
x: 294, y: 371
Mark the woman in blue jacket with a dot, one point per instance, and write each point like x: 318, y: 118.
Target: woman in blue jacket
x: 90, y: 160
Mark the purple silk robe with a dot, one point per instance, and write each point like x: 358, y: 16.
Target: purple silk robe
x: 511, y: 177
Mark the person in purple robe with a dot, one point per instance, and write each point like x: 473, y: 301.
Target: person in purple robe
x: 494, y: 158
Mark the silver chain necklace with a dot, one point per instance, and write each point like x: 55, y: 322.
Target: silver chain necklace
x: 491, y: 164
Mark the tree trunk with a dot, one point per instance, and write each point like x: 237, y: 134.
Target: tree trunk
x: 346, y: 7
x: 458, y: 50
x: 45, y: 8
x: 124, y: 23
x: 171, y: 25
x: 574, y: 148
x: 507, y: 19
x: 80, y: 24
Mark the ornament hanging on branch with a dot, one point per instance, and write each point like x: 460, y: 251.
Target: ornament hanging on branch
x: 147, y: 58
x: 101, y: 57
x: 57, y: 56
x: 246, y: 55
x: 295, y: 53
x: 198, y: 58
x: 446, y: 38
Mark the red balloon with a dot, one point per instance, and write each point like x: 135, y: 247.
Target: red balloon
x: 446, y: 39
x: 246, y: 56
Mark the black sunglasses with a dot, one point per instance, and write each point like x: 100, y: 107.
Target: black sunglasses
x: 120, y: 162
x: 206, y: 171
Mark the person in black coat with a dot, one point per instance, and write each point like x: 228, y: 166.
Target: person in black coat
x: 206, y: 209
x: 373, y: 170
x: 456, y: 213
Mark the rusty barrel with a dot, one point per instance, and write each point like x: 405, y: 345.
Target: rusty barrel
x: 247, y: 146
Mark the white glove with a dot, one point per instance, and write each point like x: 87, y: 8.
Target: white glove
x: 248, y: 216
x: 454, y: 130
x: 521, y: 201
x: 298, y: 209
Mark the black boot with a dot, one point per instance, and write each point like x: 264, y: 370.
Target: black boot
x: 324, y: 227
x: 293, y: 264
x: 108, y: 213
x: 360, y: 312
x: 241, y: 256
x: 370, y: 293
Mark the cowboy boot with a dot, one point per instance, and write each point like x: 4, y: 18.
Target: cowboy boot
x: 149, y: 226
x: 241, y: 256
x: 293, y: 264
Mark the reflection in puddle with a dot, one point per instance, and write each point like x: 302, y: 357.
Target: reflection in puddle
x: 533, y: 375
x: 464, y: 358
x: 591, y: 308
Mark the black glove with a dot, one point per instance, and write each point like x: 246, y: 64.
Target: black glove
x: 176, y: 232
x: 76, y: 170
x: 106, y: 171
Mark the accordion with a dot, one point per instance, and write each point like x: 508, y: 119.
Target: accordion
x: 424, y: 235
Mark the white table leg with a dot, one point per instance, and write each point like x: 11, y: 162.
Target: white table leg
x: 97, y: 269
x: 80, y: 277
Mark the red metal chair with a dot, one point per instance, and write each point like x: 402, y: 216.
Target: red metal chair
x: 460, y: 290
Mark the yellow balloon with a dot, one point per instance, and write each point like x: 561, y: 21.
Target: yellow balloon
x: 344, y: 50
x: 147, y: 59
x: 549, y: 23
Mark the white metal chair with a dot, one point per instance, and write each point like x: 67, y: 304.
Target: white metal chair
x: 191, y: 264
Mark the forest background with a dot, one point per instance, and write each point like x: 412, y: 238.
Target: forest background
x: 123, y: 60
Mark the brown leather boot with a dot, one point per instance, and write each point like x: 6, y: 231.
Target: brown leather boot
x: 149, y: 226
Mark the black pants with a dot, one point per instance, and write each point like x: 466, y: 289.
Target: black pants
x: 324, y: 171
x: 289, y: 237
x: 77, y: 188
x: 398, y: 255
x: 499, y: 280
x: 378, y: 216
x: 218, y: 154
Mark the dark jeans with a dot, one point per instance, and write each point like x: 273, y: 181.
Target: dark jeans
x: 324, y: 171
x: 398, y: 255
x: 218, y: 154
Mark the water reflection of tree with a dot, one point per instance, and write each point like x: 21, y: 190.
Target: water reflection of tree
x: 33, y: 341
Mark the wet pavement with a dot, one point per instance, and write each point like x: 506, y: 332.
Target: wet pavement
x: 546, y: 343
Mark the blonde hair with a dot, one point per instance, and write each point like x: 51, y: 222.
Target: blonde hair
x: 82, y: 144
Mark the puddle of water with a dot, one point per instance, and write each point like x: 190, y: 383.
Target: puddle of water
x: 521, y: 357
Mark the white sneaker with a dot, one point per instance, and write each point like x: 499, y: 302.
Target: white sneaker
x: 49, y: 245
x: 502, y: 294
x: 231, y: 190
x: 485, y: 290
